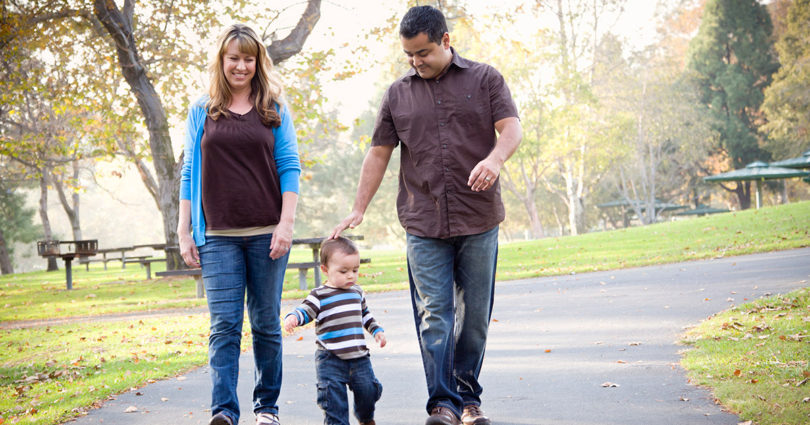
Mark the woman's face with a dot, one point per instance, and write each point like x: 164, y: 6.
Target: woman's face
x: 239, y: 68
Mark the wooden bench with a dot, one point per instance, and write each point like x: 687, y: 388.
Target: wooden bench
x: 195, y: 273
x: 145, y: 261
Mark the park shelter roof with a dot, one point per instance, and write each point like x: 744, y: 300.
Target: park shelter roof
x: 800, y: 162
x: 758, y: 171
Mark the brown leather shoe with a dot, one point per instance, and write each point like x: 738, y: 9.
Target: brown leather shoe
x: 442, y: 416
x: 474, y: 416
x: 371, y: 422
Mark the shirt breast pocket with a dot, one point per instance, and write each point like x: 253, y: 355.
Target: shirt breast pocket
x: 472, y: 108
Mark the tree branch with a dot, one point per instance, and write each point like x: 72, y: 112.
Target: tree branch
x: 281, y: 50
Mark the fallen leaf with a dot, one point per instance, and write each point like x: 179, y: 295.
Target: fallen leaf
x: 131, y: 409
x: 609, y: 385
x: 181, y: 378
x: 684, y: 398
x: 300, y: 338
x: 737, y: 372
x: 164, y: 399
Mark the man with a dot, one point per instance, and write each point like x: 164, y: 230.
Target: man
x: 445, y: 111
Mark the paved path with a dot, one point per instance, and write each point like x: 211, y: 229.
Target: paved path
x: 619, y: 326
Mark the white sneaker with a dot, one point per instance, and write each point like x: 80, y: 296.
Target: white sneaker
x: 264, y: 418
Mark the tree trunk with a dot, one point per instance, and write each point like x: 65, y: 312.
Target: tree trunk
x: 743, y: 192
x: 534, y: 219
x: 5, y: 260
x: 71, y: 207
x: 46, y: 222
x: 526, y: 197
x: 576, y: 216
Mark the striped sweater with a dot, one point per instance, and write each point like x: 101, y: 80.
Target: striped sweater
x: 340, y: 316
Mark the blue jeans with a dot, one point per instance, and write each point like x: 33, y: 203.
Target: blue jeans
x: 231, y: 268
x: 334, y: 374
x: 452, y: 284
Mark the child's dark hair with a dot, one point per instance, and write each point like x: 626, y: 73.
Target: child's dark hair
x: 329, y: 246
x: 426, y: 19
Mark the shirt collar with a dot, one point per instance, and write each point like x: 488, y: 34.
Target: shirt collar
x: 457, y: 61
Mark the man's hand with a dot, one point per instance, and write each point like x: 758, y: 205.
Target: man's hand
x: 351, y: 221
x: 290, y: 322
x: 483, y: 176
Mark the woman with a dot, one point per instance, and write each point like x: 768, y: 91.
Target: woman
x: 238, y: 194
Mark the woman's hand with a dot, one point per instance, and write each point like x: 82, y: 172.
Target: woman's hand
x: 188, y: 250
x: 282, y: 240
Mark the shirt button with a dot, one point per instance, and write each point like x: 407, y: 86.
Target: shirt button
x: 446, y: 169
x: 439, y: 102
x: 441, y: 124
x: 444, y: 145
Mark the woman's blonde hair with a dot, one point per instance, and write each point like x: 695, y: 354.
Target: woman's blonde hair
x: 266, y: 87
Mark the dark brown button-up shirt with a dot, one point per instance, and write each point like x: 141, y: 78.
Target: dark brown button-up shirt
x: 446, y: 126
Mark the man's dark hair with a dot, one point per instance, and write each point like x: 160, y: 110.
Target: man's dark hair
x: 426, y: 19
x: 329, y: 246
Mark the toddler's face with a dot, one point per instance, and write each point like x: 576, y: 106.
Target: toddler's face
x: 341, y: 270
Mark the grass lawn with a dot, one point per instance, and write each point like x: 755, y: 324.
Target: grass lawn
x: 51, y: 374
x: 48, y: 374
x: 755, y: 358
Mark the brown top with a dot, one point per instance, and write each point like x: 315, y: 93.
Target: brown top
x: 446, y: 126
x: 240, y: 183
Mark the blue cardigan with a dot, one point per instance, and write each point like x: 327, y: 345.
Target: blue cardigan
x: 285, y: 151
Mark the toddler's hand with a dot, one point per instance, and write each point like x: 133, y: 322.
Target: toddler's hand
x: 380, y: 338
x: 290, y: 322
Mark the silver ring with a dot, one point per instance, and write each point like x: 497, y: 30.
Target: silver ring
x: 487, y: 178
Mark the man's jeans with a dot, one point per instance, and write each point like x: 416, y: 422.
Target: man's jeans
x: 452, y: 286
x: 334, y: 374
x: 232, y: 267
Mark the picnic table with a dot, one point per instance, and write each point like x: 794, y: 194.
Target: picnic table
x: 122, y: 257
x: 315, y: 245
x: 126, y: 258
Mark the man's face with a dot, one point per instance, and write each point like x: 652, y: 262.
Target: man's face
x: 426, y: 57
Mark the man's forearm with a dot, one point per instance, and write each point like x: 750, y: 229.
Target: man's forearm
x: 371, y: 175
x: 510, y: 134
